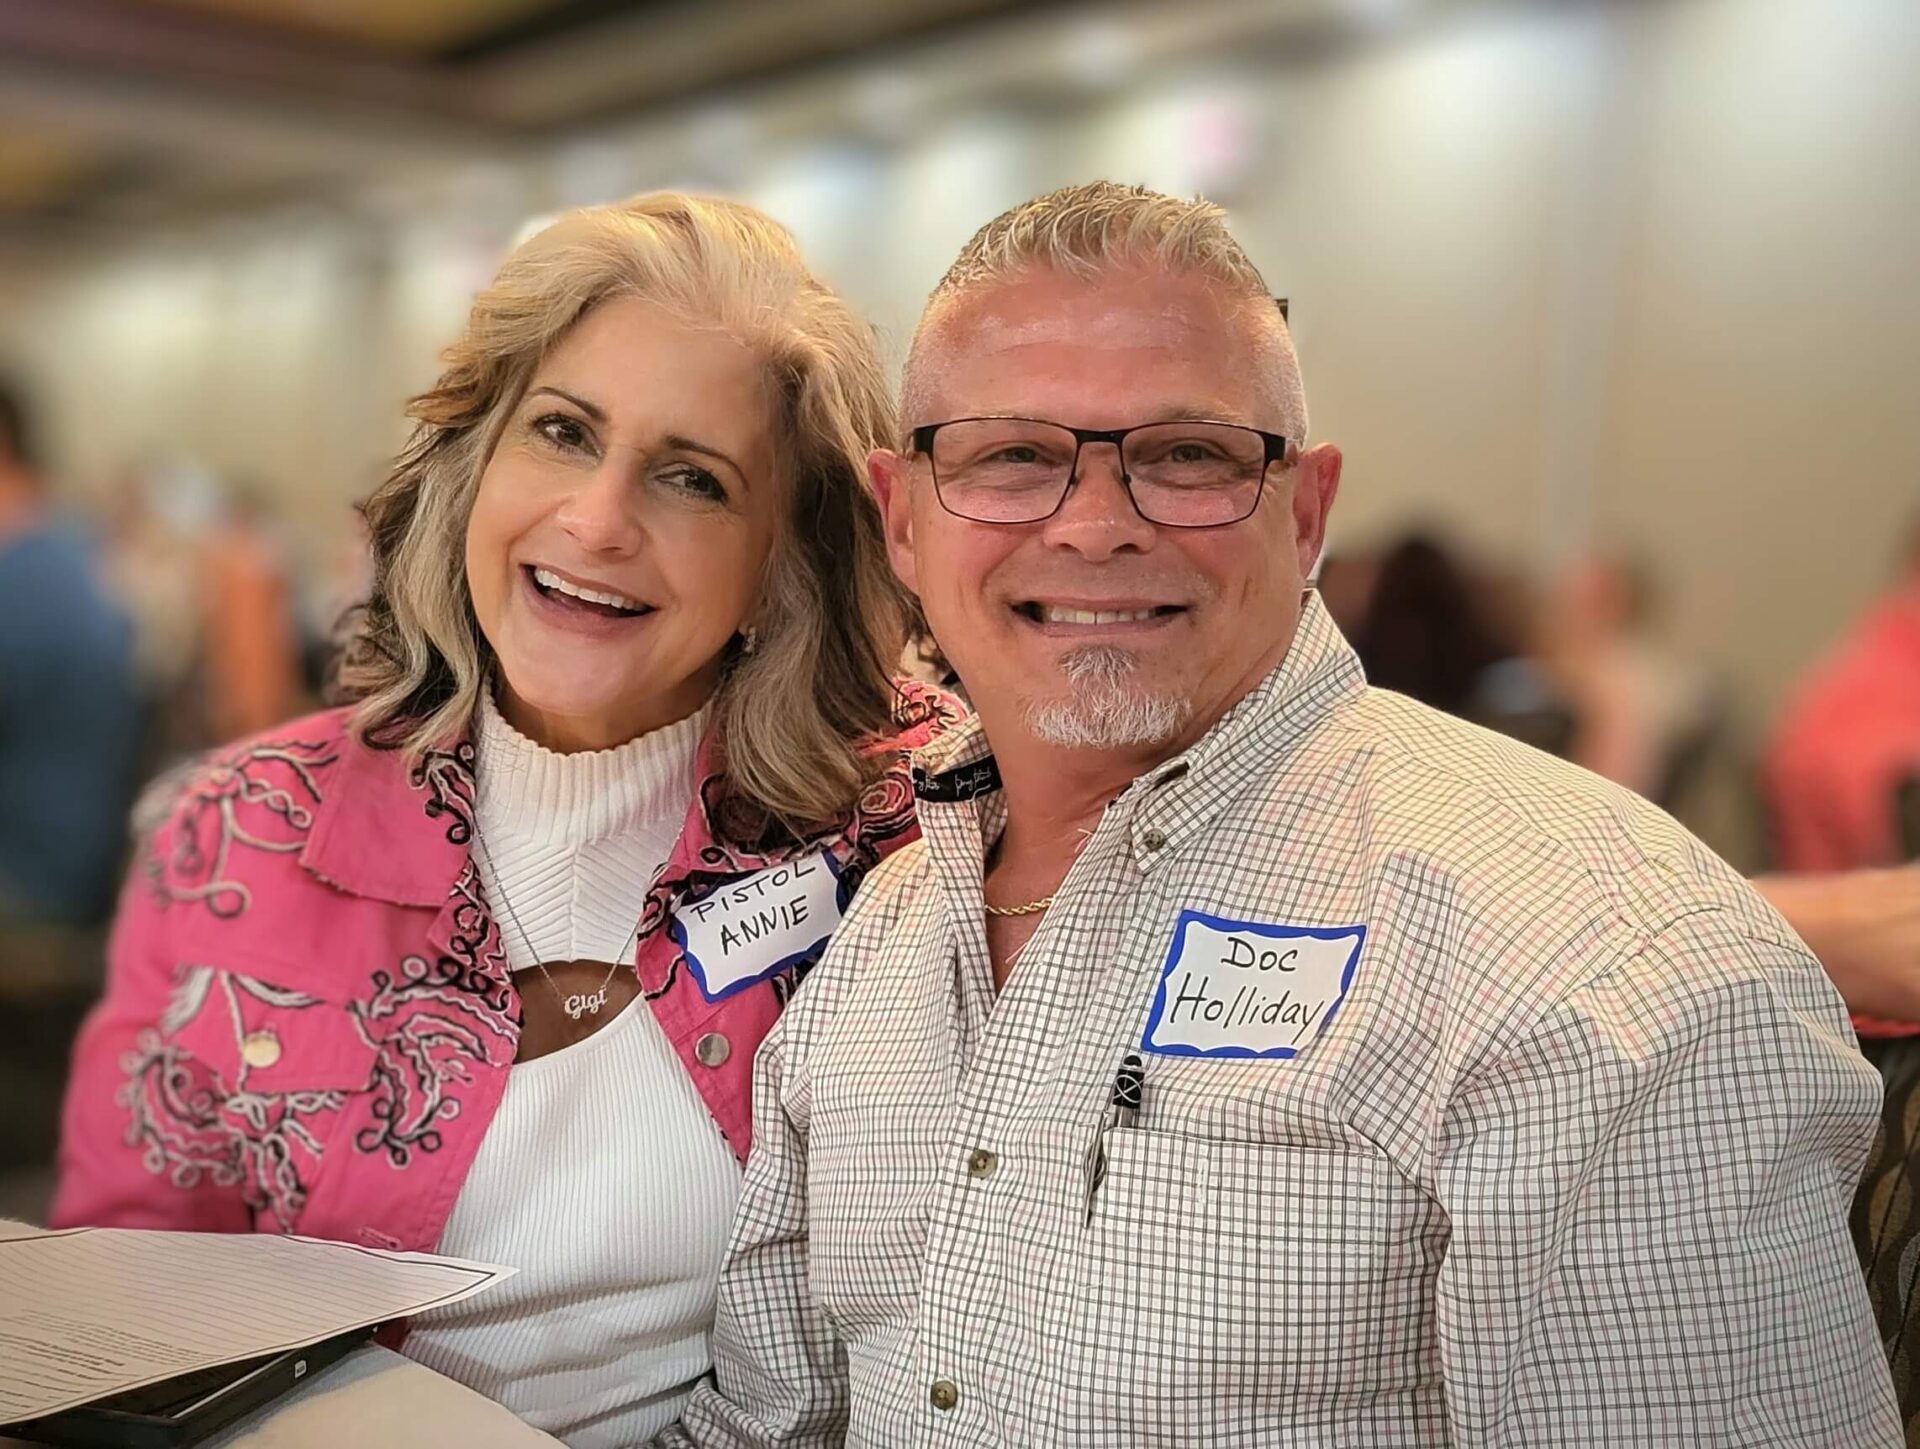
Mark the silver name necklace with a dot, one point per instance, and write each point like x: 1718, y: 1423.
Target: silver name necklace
x: 578, y: 1003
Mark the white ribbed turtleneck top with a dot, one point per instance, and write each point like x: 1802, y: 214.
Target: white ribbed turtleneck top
x: 602, y: 1178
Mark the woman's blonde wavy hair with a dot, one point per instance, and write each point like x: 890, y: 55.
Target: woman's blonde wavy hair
x: 793, y: 713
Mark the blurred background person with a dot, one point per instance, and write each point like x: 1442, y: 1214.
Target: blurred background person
x: 1421, y: 632
x: 1642, y: 715
x: 69, y: 721
x: 151, y: 562
x: 1843, y: 762
x: 1842, y: 766
x: 1425, y: 629
x: 1345, y: 579
x: 334, y: 588
x: 69, y: 740
x: 252, y: 660
x: 1842, y: 779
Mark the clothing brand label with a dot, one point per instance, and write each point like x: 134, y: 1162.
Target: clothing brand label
x: 1249, y: 989
x: 963, y: 782
x: 760, y: 925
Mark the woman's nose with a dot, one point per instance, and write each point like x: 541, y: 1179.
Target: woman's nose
x: 599, y: 514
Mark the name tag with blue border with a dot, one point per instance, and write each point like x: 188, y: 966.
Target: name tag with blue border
x: 1249, y: 989
x: 749, y: 929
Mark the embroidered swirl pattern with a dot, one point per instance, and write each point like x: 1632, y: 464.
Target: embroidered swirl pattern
x: 433, y: 1024
x: 259, y: 798
x: 437, y: 1020
x: 191, y: 1125
x: 448, y: 778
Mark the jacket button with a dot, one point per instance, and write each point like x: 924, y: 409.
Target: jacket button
x: 712, y: 1050
x: 944, y: 1394
x: 260, y: 1049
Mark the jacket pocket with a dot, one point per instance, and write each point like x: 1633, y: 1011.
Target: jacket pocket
x: 264, y: 1039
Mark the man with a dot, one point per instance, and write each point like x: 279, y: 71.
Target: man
x: 1843, y: 790
x: 69, y: 731
x: 1247, y: 1056
x: 69, y: 719
x: 1843, y: 766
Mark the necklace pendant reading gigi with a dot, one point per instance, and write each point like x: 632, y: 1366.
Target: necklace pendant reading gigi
x: 583, y: 1003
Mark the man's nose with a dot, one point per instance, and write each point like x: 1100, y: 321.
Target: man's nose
x: 1097, y: 517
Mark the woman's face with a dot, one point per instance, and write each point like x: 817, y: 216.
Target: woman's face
x: 621, y: 526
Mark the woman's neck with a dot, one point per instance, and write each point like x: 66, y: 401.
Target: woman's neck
x: 570, y: 734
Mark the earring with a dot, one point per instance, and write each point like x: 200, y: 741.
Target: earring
x: 749, y: 639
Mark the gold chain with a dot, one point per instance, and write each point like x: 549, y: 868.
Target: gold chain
x: 1029, y: 909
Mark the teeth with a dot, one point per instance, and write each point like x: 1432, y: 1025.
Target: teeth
x: 1052, y: 615
x: 547, y: 579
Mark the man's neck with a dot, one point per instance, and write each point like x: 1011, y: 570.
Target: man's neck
x: 1055, y: 796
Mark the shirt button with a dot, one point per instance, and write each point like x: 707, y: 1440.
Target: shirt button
x: 712, y: 1050
x: 260, y: 1049
x: 981, y: 1163
x: 944, y: 1394
x: 1151, y: 839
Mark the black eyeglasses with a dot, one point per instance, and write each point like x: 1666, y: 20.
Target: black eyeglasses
x: 1019, y: 470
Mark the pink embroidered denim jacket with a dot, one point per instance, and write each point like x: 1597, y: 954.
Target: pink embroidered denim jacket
x: 308, y: 1019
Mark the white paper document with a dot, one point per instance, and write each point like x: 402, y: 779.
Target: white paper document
x: 90, y: 1312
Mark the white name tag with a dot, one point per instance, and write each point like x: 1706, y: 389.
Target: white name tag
x: 759, y: 925
x: 1248, y: 989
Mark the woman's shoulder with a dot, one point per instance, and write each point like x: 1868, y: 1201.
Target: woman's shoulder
x: 284, y: 762
x: 885, y: 819
x: 922, y: 712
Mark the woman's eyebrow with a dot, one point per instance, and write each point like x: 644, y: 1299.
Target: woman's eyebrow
x: 672, y: 440
x: 689, y: 445
x: 592, y: 410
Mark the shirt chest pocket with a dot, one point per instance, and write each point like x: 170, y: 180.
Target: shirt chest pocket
x: 1237, y: 1277
x: 266, y: 1040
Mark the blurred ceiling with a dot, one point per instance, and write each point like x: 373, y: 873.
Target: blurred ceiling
x: 120, y: 113
x: 401, y: 27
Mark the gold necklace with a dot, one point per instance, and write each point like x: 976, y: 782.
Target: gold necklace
x: 580, y: 1003
x: 1029, y: 909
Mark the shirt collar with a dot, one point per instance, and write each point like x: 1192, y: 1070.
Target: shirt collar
x: 1181, y: 797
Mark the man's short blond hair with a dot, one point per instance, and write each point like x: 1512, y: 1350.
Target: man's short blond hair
x: 1098, y: 227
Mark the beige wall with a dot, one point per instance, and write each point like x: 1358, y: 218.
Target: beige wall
x: 1635, y: 273
x: 1761, y: 404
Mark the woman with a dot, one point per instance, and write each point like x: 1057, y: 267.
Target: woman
x: 480, y: 963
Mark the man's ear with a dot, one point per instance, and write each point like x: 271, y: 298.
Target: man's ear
x: 1316, y: 479
x: 893, y: 491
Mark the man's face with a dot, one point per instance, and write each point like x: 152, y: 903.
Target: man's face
x: 1094, y: 627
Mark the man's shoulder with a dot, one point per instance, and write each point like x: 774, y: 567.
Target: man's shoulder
x: 1535, y: 894
x: 1515, y: 834
x: 889, y: 890
x: 895, y: 888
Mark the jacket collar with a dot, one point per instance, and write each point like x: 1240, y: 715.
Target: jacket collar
x: 394, y: 832
x: 402, y: 834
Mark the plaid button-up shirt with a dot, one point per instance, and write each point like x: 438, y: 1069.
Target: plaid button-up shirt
x: 1568, y: 1164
